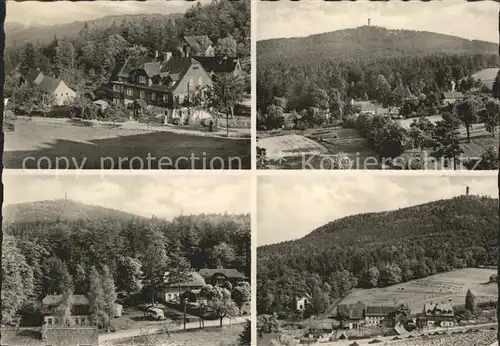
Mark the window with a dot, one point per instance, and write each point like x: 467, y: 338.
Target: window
x: 142, y: 94
x: 153, y: 96
x: 195, y: 67
x: 165, y: 98
x: 116, y: 87
x: 143, y: 80
x: 129, y: 92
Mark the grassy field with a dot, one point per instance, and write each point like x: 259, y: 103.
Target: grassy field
x: 480, y: 338
x: 225, y: 336
x: 436, y: 288
x: 39, y: 139
x: 294, y: 147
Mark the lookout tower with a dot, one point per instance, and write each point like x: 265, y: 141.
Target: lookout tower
x: 369, y: 21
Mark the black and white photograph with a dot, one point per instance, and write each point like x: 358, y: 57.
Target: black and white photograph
x: 377, y: 85
x: 128, y: 260
x: 127, y: 85
x: 385, y: 259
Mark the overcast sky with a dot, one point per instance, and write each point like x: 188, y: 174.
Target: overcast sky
x: 289, y: 207
x: 478, y: 20
x: 58, y: 12
x: 161, y: 195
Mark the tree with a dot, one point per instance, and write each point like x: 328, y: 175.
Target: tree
x: 26, y: 97
x: 109, y: 296
x: 384, y: 92
x: 489, y: 159
x: 129, y: 274
x: 492, y: 111
x: 63, y: 310
x: 466, y: 111
x: 227, y: 91
x: 47, y: 103
x: 470, y: 302
x: 17, y: 279
x: 496, y: 87
x: 96, y: 297
x: 56, y: 278
x: 241, y: 294
x: 219, y: 301
x: 223, y: 255
x: 82, y: 107
x: 154, y: 260
x: 320, y: 301
x: 390, y: 275
x: 371, y: 277
x: 226, y: 47
x: 421, y: 131
x: 446, y: 143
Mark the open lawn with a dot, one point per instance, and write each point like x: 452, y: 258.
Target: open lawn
x: 84, y: 146
x: 479, y: 338
x: 314, y: 147
x: 487, y: 76
x: 436, y: 288
x: 214, y: 336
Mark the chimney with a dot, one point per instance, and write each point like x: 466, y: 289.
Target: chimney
x: 167, y: 56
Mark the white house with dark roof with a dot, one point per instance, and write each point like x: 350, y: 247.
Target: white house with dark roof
x: 80, y: 309
x: 50, y: 85
x: 171, y: 291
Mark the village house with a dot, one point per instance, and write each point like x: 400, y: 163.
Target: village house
x: 80, y: 309
x: 217, y: 277
x: 198, y: 46
x: 437, y: 314
x: 449, y: 98
x: 321, y: 329
x: 376, y: 315
x: 50, y: 85
x: 53, y: 336
x: 302, y: 303
x: 171, y: 291
x: 221, y: 65
x: 163, y: 82
x: 351, y: 315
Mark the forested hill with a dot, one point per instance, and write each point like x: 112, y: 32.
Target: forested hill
x: 369, y: 41
x: 60, y: 209
x: 44, y: 34
x: 380, y: 249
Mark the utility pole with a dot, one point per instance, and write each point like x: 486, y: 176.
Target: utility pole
x: 185, y: 306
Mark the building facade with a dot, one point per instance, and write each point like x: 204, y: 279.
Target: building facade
x: 217, y: 277
x: 171, y: 292
x: 80, y: 309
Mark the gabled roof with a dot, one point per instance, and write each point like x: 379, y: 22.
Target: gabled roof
x: 32, y: 75
x: 453, y: 95
x: 379, y: 310
x: 194, y: 280
x: 49, y: 84
x: 352, y: 311
x: 438, y: 309
x: 229, y: 273
x: 218, y: 64
x: 198, y: 43
x: 123, y: 70
x: 55, y: 299
x: 321, y: 325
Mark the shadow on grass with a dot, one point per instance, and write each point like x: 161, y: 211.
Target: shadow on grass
x: 143, y: 151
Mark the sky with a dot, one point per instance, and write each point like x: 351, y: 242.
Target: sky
x: 160, y: 195
x: 478, y: 20
x: 59, y: 12
x: 289, y: 207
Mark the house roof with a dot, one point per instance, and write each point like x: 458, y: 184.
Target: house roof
x: 229, y: 273
x: 321, y: 325
x: 438, y: 309
x: 55, y: 336
x: 194, y: 280
x: 32, y: 75
x: 55, y: 299
x: 379, y: 310
x: 49, y: 84
x: 198, y: 43
x: 352, y: 311
x: 453, y: 95
x: 218, y: 64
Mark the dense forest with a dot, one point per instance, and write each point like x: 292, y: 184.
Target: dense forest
x: 326, y: 71
x: 64, y: 246
x: 84, y: 53
x: 377, y: 250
